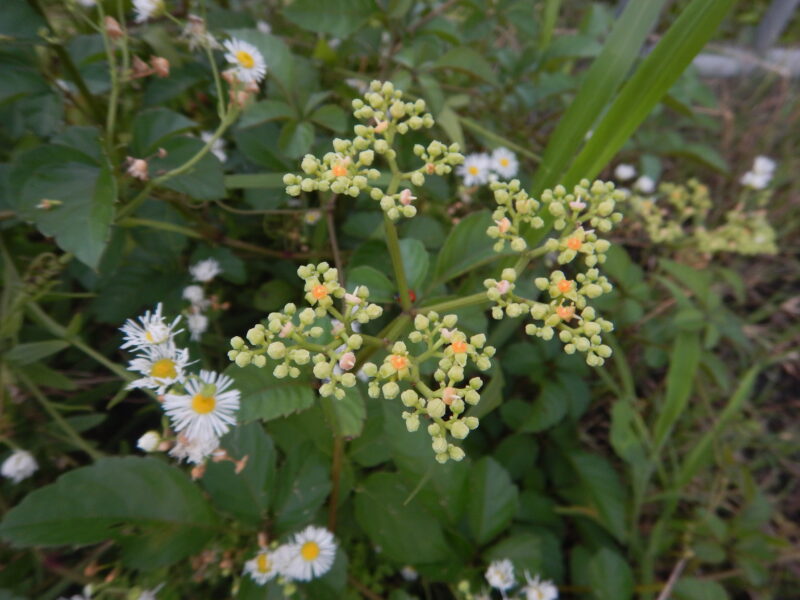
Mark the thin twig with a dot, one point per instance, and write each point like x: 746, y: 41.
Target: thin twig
x: 337, y: 256
x: 673, y: 579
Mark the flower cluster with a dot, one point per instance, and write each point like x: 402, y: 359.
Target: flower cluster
x: 309, y: 554
x: 760, y: 174
x: 678, y: 215
x: 349, y: 168
x: 500, y: 576
x: 201, y: 407
x: 567, y: 312
x: 294, y: 338
x: 196, y: 319
x: 482, y: 168
x: 444, y: 405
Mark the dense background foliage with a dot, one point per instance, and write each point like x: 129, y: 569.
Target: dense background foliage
x: 671, y: 463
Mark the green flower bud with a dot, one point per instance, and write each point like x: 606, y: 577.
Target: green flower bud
x: 409, y: 398
x: 348, y: 380
x: 260, y: 360
x: 276, y: 350
x: 390, y: 390
x: 322, y: 370
x: 472, y: 397
x: 243, y: 359
x: 232, y: 354
x: 459, y: 430
x: 418, y: 179
x: 439, y: 445
x: 307, y: 316
x: 366, y: 157
x: 436, y: 408
x: 434, y: 430
x: 280, y: 371
x: 370, y: 369
x: 456, y: 453
x: 301, y: 356
x: 412, y: 423
x: 421, y: 322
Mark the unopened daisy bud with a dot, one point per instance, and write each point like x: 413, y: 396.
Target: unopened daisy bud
x: 113, y: 28
x: 160, y: 66
x: 137, y: 168
x: 459, y: 430
x: 149, y: 442
x: 436, y: 408
x: 347, y: 361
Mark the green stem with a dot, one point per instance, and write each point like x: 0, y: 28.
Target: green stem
x: 392, y: 240
x: 471, y: 300
x: 498, y: 139
x: 73, y: 435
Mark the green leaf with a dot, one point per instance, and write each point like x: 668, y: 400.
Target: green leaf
x: 350, y: 412
x: 303, y: 485
x: 25, y: 354
x: 151, y: 127
x: 330, y: 586
x: 338, y: 18
x: 81, y: 224
x: 18, y: 19
x: 263, y: 111
x: 548, y: 409
x: 448, y: 120
x: 296, y: 138
x: 535, y: 552
x: 266, y: 397
x: 331, y: 117
x: 599, y: 85
x: 381, y: 290
x: 255, y: 181
x: 204, y: 181
x: 655, y: 76
x: 680, y: 379
x: 599, y: 483
x: 492, y: 501
x: 403, y: 529
x: 692, y: 588
x: 171, y: 520
x: 610, y: 576
x: 415, y: 260
x: 466, y: 247
x: 245, y: 495
x: 468, y: 60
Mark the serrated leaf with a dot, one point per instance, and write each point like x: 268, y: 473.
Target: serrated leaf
x: 303, y: 485
x: 492, y: 501
x: 296, y: 138
x: 263, y: 111
x: 91, y: 504
x: 331, y: 117
x: 266, y: 397
x: 204, y: 181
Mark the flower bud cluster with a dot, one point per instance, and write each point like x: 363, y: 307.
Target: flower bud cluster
x: 744, y: 232
x: 290, y: 337
x: 579, y: 242
x: 514, y: 208
x: 502, y: 294
x: 349, y: 169
x: 577, y: 331
x: 443, y: 405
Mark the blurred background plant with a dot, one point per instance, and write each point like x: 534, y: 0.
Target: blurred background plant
x: 668, y: 472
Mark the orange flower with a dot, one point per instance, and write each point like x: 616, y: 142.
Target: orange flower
x: 564, y: 286
x: 459, y: 347
x: 574, y: 243
x: 398, y: 361
x: 565, y: 313
x: 319, y: 292
x: 339, y: 169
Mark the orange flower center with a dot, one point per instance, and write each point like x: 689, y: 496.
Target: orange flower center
x: 473, y: 170
x: 339, y: 170
x: 459, y: 347
x: 309, y: 551
x: 565, y: 313
x: 398, y: 361
x: 574, y: 243
x: 564, y: 286
x: 319, y: 292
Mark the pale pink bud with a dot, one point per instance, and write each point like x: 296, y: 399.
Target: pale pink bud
x: 406, y: 198
x: 347, y: 361
x: 113, y: 28
x: 503, y: 286
x: 286, y: 330
x: 577, y: 205
x: 430, y: 168
x: 449, y: 395
x: 198, y: 471
x: 140, y: 68
x: 241, y: 464
x: 352, y: 299
x: 503, y: 224
x: 137, y: 168
x: 381, y: 126
x: 160, y: 66
x: 446, y: 333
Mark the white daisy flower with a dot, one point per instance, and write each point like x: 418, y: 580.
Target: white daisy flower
x: 624, y: 172
x: 195, y: 295
x: 152, y: 332
x: 536, y: 589
x: 205, y: 270
x: 475, y: 169
x: 149, y: 441
x: 194, y: 450
x: 217, y: 148
x: 645, y: 185
x: 312, y: 217
x: 248, y: 61
x: 500, y: 575
x: 262, y: 567
x: 147, y: 9
x: 505, y: 163
x: 161, y: 366
x: 763, y: 165
x: 313, y: 553
x: 197, y: 324
x: 208, y: 409
x: 755, y: 181
x: 20, y: 465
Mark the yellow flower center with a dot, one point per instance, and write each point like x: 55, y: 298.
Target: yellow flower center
x: 503, y: 162
x: 473, y: 170
x: 163, y: 369
x: 309, y: 551
x: 149, y: 337
x: 203, y: 404
x: 245, y: 59
x: 262, y: 563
